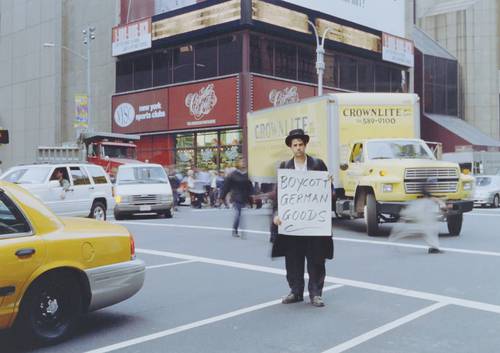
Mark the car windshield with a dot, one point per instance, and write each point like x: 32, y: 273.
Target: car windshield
x: 483, y: 181
x: 141, y: 175
x: 119, y: 151
x: 398, y: 150
x: 36, y: 175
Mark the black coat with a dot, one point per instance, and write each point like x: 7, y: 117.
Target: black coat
x: 320, y: 247
x: 239, y: 185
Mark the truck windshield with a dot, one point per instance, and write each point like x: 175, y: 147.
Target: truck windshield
x: 119, y: 151
x: 36, y: 175
x: 141, y: 175
x: 398, y: 150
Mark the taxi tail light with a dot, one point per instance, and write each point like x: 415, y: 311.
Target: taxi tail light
x: 113, y: 193
x: 132, y: 247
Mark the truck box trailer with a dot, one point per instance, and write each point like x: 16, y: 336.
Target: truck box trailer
x: 371, y: 144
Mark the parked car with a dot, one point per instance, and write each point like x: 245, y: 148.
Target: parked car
x: 487, y: 191
x: 55, y: 269
x: 88, y: 191
x: 142, y: 188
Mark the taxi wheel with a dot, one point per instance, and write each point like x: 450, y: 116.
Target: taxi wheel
x: 50, y: 308
x: 168, y: 214
x: 98, y: 211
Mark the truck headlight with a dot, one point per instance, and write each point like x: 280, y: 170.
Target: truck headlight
x: 386, y: 187
x: 467, y: 185
x: 122, y: 199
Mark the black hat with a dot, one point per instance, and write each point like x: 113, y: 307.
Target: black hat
x: 296, y: 134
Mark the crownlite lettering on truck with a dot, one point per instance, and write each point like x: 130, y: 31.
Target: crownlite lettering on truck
x: 383, y: 115
x: 271, y: 130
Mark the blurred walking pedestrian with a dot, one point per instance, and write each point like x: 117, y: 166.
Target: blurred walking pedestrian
x: 240, y: 187
x: 421, y: 218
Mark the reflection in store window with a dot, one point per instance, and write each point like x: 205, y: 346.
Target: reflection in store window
x: 184, y: 159
x: 207, y: 139
x: 232, y: 137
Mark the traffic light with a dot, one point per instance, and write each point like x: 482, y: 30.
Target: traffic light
x: 4, y: 136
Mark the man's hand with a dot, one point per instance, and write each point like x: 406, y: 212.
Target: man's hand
x: 277, y: 220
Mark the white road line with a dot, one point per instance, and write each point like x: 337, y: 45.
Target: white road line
x: 492, y: 308
x: 352, y: 240
x: 383, y: 329
x: 193, y: 325
x: 169, y: 264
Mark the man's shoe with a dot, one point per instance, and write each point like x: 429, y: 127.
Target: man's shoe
x: 235, y: 234
x: 292, y: 298
x: 317, y: 301
x: 435, y: 251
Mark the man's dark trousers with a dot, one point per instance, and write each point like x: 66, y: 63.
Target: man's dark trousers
x: 237, y: 214
x: 295, y: 261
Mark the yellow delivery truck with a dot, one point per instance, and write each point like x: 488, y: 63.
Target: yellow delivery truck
x: 371, y: 144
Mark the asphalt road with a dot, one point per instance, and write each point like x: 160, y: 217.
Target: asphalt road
x: 206, y: 291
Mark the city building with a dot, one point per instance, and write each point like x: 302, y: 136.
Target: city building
x: 469, y: 30
x: 43, y: 71
x: 186, y: 78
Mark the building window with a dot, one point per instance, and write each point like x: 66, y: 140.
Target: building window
x: 348, y: 73
x: 230, y: 55
x: 162, y: 64
x: 143, y: 77
x: 261, y: 55
x: 183, y: 64
x: 208, y: 150
x: 366, y: 79
x: 306, y: 64
x: 285, y: 55
x: 124, y: 75
x: 382, y: 79
x: 440, y: 86
x: 206, y: 59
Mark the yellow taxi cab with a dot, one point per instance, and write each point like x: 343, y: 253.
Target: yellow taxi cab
x: 52, y: 270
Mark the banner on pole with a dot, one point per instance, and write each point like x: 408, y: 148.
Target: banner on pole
x: 81, y: 111
x: 304, y: 203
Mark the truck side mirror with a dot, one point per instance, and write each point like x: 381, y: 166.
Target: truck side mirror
x: 344, y: 166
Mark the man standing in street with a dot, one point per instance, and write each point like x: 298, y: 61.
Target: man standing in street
x: 296, y: 249
x: 238, y: 184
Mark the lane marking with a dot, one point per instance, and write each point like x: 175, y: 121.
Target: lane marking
x: 471, y: 304
x: 352, y: 240
x: 196, y: 324
x: 169, y: 264
x: 383, y: 329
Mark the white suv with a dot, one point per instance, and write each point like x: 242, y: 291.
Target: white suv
x: 84, y: 191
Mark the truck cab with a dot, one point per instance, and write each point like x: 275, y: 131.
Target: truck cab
x: 381, y: 176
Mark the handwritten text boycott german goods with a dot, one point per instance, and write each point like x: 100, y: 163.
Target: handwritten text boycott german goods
x: 304, y: 202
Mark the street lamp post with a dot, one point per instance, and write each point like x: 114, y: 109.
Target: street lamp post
x: 88, y: 36
x: 320, y: 55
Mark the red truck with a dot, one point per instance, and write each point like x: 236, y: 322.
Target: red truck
x: 106, y: 149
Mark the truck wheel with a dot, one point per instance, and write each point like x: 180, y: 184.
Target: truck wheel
x: 496, y: 201
x: 454, y: 224
x: 371, y: 216
x: 168, y: 213
x: 98, y: 211
x: 50, y: 309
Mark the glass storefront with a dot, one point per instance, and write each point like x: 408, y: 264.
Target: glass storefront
x: 212, y: 150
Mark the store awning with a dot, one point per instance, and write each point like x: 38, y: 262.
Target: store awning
x: 464, y: 130
x: 429, y: 46
x: 445, y: 7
